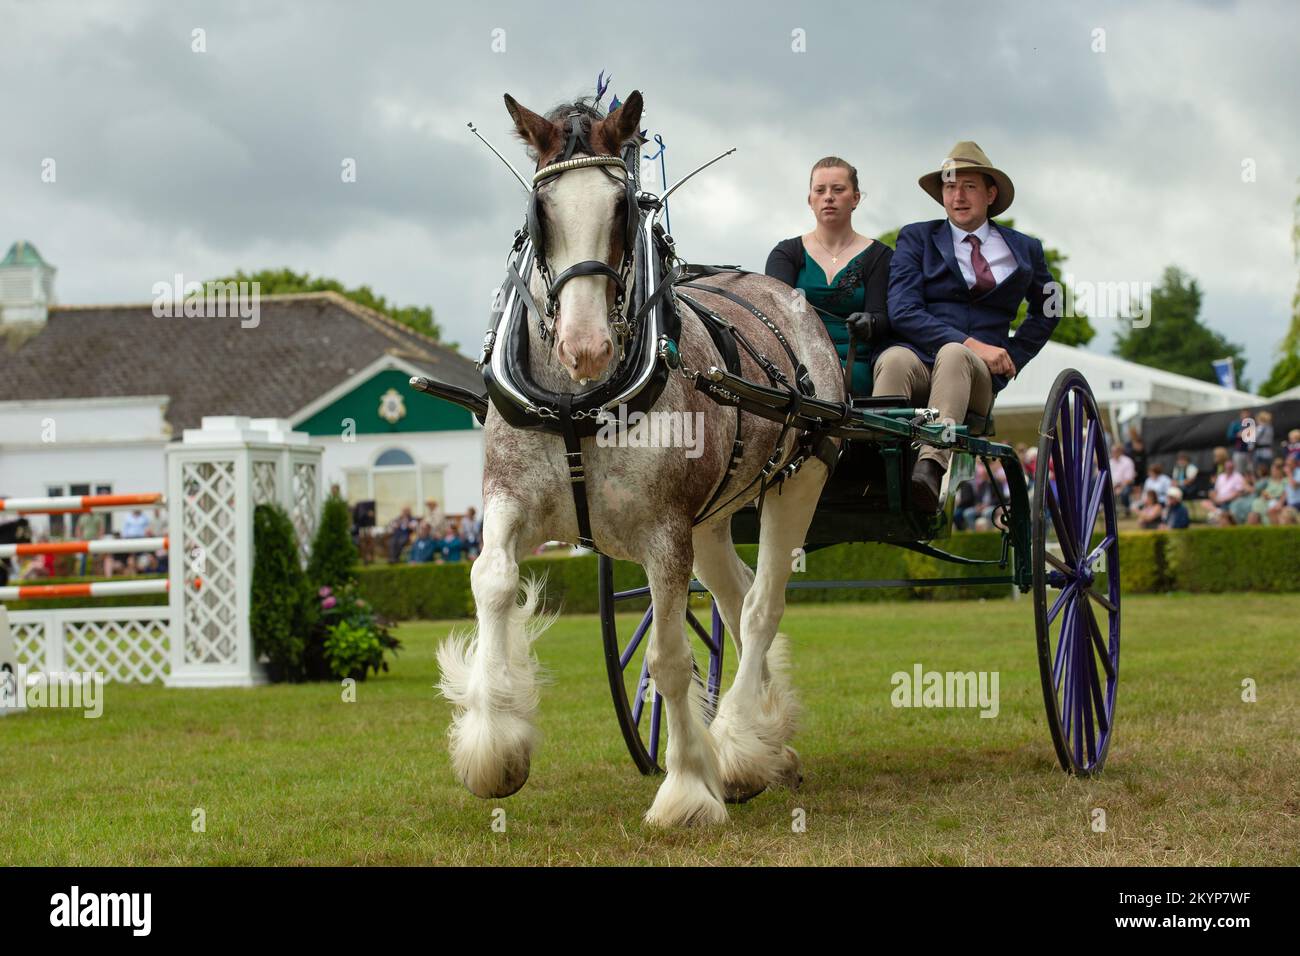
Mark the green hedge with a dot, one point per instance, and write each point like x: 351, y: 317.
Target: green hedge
x: 1204, y: 559
x: 1246, y: 558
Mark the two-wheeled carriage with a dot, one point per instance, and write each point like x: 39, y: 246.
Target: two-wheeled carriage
x: 1059, y: 538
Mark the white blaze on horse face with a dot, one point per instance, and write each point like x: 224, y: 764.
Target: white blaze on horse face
x: 581, y: 210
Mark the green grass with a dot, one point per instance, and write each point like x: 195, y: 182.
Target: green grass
x: 292, y: 775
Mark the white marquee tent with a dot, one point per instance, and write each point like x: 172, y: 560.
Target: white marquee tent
x: 1126, y: 392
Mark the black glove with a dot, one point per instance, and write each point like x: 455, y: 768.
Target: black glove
x: 866, y: 326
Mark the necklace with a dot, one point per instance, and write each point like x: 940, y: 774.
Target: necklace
x: 835, y: 256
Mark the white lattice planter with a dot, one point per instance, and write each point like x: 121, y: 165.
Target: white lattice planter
x: 215, y: 478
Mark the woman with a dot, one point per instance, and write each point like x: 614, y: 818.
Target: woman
x: 843, y: 275
x: 1151, y: 512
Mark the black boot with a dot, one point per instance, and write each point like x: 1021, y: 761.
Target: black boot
x: 927, y: 478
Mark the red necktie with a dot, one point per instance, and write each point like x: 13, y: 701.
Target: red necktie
x: 983, y: 274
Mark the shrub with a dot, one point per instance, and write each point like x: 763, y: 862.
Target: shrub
x: 1249, y: 558
x: 333, y: 552
x: 281, y: 614
x: 349, y: 638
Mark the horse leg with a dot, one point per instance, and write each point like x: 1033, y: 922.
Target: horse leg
x: 719, y: 568
x: 692, y: 790
x: 759, y: 714
x: 490, y: 673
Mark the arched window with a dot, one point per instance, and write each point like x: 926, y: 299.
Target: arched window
x: 394, y: 456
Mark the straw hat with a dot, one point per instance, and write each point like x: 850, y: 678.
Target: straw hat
x: 968, y: 157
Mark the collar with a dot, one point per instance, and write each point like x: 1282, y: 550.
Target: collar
x: 959, y: 235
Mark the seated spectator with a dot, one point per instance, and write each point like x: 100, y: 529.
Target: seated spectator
x: 1293, y: 448
x: 1184, y: 474
x: 1150, y: 512
x: 1270, y: 497
x: 1240, y: 506
x: 1122, y: 475
x: 1228, y: 487
x: 424, y: 548
x: 400, y: 530
x: 471, y: 531
x: 1157, y: 481
x: 975, y: 500
x: 1176, y: 516
x: 451, y: 546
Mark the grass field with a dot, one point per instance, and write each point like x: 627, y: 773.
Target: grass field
x: 293, y: 775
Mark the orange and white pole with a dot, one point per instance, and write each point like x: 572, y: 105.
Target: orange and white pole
x: 103, y: 546
x: 80, y: 504
x: 28, y: 592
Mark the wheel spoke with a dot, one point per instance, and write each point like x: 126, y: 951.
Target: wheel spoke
x: 1095, y: 632
x: 1060, y: 565
x: 1064, y: 491
x: 1058, y: 666
x: 699, y: 629
x: 1096, y: 552
x: 637, y: 637
x: 656, y: 717
x: 1094, y: 684
x: 639, y: 704
x: 1058, y: 522
x: 1101, y: 600
x: 1066, y: 594
x: 1095, y: 498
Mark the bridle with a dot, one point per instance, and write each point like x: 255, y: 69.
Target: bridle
x: 618, y: 321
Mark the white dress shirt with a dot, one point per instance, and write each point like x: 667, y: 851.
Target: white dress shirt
x: 992, y: 246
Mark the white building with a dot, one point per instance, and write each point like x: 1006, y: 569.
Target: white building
x: 90, y: 396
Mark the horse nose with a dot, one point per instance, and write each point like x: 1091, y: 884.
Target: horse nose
x: 587, y: 359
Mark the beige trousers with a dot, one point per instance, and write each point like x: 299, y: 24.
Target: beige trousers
x: 960, y: 382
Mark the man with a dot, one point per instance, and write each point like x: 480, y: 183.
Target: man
x: 1184, y: 476
x: 425, y: 548
x: 1123, y: 473
x: 1241, y: 434
x: 955, y: 285
x: 399, y: 532
x: 1176, y: 516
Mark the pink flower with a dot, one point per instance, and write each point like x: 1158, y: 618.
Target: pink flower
x: 324, y: 592
x: 328, y: 603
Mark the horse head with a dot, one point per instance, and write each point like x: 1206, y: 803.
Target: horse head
x: 582, y: 219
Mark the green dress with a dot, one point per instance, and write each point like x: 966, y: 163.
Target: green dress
x: 841, y: 300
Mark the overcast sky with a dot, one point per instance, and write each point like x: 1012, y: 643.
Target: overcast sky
x: 170, y: 160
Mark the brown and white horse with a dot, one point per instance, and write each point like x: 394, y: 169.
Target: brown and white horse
x: 642, y: 502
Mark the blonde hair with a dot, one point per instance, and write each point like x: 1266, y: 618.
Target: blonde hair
x: 834, y: 162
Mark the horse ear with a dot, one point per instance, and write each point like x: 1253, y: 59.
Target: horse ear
x: 622, y: 124
x: 541, y: 135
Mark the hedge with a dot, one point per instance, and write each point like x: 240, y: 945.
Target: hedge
x: 1249, y: 558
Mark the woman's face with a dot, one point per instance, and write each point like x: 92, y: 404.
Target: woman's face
x: 831, y: 196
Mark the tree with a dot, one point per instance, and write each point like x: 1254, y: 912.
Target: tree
x: 333, y: 553
x: 1286, y: 372
x: 287, y: 282
x: 1072, y: 329
x: 1176, y: 340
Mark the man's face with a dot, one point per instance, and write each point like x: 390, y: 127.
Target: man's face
x: 967, y: 198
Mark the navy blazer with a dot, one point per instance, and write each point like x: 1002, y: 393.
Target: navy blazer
x: 930, y: 304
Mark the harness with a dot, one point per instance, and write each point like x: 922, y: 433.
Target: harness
x: 648, y: 339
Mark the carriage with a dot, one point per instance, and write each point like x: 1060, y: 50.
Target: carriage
x: 1059, y: 538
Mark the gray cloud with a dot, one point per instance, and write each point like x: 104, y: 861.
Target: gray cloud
x: 168, y: 160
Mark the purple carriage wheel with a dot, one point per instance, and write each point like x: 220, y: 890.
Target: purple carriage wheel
x: 1076, y: 597
x: 638, y: 707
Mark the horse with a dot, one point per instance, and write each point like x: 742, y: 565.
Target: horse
x: 644, y: 503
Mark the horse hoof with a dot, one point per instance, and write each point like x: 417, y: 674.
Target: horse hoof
x: 512, y: 781
x: 742, y: 793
